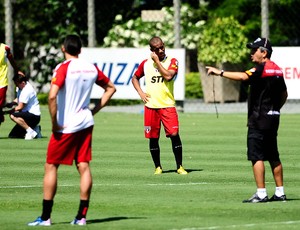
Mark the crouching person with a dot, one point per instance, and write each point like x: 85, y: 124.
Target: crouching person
x: 27, y: 113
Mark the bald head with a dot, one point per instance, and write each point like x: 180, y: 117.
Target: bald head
x: 154, y: 41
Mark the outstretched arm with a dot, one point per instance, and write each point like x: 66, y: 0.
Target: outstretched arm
x: 237, y: 76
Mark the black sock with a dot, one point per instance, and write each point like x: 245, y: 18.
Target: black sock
x: 83, y: 208
x: 177, y: 149
x: 47, y: 209
x: 155, y: 151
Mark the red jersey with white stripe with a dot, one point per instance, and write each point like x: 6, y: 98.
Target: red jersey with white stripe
x: 75, y: 79
x: 160, y: 90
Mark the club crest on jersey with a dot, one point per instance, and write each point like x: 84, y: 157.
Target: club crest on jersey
x: 147, y: 129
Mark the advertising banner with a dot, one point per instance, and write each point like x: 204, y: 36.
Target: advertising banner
x: 288, y: 59
x: 119, y: 64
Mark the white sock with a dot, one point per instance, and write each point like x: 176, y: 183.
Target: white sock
x: 279, y: 191
x: 261, y: 193
x: 29, y: 130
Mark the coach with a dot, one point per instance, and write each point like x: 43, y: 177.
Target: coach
x: 267, y: 95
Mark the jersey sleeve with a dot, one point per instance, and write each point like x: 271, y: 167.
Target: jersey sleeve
x: 7, y: 50
x: 256, y: 71
x: 102, y: 79
x: 60, y: 74
x: 140, y: 70
x: 173, y: 65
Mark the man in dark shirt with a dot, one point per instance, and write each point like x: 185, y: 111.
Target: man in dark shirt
x: 267, y: 95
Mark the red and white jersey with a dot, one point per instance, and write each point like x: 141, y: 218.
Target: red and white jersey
x: 75, y: 79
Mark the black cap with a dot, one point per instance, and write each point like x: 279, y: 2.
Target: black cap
x: 261, y: 42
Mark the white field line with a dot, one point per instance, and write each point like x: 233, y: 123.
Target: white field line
x: 295, y: 223
x: 73, y: 185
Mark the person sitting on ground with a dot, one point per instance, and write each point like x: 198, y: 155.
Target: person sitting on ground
x: 26, y: 114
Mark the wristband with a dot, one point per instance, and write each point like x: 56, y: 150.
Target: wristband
x: 222, y: 72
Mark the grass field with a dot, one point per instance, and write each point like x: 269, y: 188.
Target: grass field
x: 126, y: 194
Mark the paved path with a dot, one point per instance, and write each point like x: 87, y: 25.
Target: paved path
x: 198, y: 106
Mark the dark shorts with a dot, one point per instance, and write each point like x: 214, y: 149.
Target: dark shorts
x: 262, y: 145
x: 31, y: 120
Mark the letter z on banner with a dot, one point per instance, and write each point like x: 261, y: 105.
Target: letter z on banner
x: 119, y: 64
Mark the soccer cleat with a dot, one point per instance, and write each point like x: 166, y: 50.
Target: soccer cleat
x: 158, y: 171
x: 255, y: 199
x: 278, y: 198
x: 81, y: 222
x: 40, y: 222
x: 30, y: 135
x: 181, y: 171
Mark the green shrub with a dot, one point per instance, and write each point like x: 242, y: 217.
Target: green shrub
x: 124, y: 102
x: 222, y: 41
x: 193, y: 88
x: 43, y: 98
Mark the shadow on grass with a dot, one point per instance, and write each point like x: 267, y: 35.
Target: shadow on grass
x: 188, y: 170
x: 95, y: 221
x: 43, y: 137
x: 112, y: 219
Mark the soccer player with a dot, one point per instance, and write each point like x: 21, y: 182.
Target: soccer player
x: 267, y: 95
x: 159, y: 71
x: 5, y: 54
x: 27, y: 113
x: 72, y: 125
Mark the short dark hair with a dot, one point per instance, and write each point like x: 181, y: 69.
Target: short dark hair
x: 72, y: 44
x: 19, y: 78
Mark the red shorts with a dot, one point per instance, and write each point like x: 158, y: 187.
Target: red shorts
x: 153, y: 119
x: 64, y: 148
x: 2, y: 96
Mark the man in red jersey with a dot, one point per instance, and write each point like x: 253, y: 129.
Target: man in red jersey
x: 159, y: 71
x: 267, y: 95
x: 72, y: 125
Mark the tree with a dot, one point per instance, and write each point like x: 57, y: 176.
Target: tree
x: 284, y: 14
x: 40, y: 26
x: 137, y: 33
x: 43, y: 23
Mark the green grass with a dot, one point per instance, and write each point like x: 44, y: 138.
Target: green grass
x: 126, y: 194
